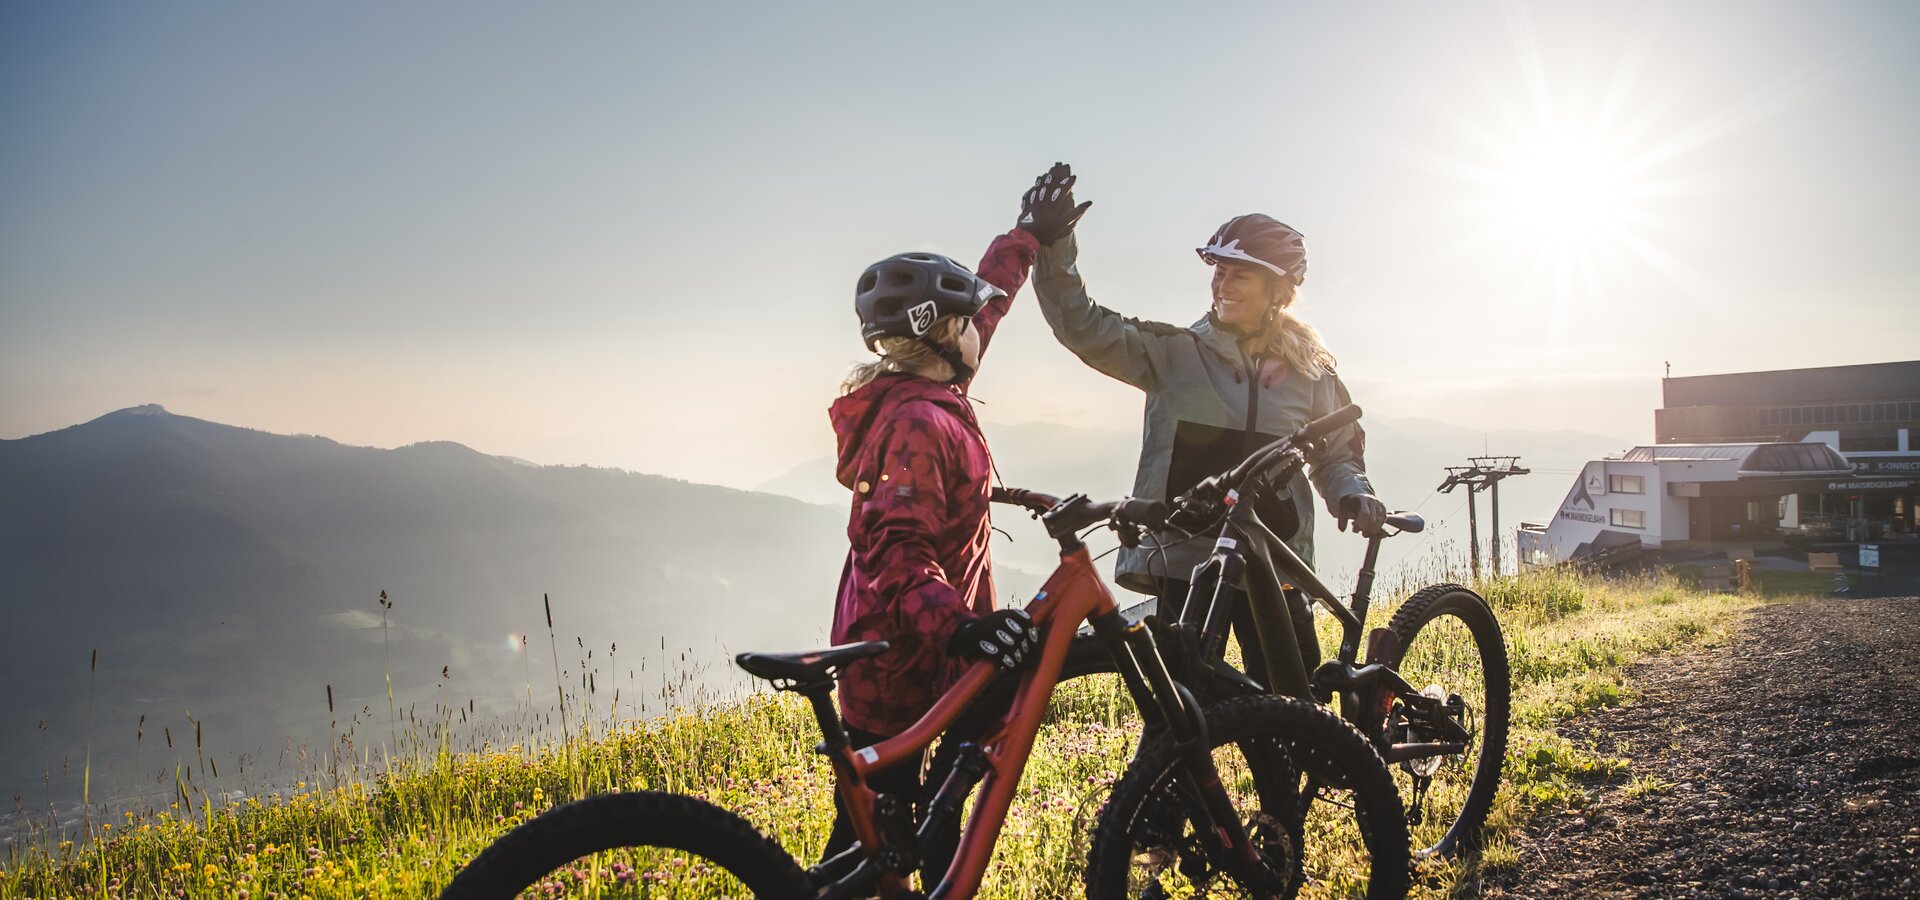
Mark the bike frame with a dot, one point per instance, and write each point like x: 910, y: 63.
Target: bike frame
x: 1247, y: 551
x: 1072, y: 594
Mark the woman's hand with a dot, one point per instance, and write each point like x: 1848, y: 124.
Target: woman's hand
x: 1366, y: 512
x: 1046, y: 210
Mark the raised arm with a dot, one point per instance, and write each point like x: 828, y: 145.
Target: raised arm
x: 1128, y: 349
x: 1005, y: 266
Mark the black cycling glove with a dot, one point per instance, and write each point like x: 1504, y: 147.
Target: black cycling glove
x: 1046, y: 210
x: 1006, y: 636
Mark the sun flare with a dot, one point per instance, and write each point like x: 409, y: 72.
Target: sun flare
x: 1578, y: 186
x: 1564, y: 185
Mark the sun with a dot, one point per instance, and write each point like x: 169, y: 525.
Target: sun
x: 1563, y: 185
x: 1581, y: 193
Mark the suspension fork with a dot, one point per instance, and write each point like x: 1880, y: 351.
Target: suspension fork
x: 1172, y: 706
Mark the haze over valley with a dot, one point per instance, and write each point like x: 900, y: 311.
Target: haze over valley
x: 229, y: 577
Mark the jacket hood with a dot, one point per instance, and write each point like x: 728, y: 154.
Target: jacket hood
x: 855, y: 415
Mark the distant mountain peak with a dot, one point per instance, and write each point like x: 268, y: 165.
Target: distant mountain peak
x: 143, y: 411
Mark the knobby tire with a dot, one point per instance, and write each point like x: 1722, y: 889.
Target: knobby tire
x: 1444, y: 601
x: 523, y: 857
x: 1283, y: 740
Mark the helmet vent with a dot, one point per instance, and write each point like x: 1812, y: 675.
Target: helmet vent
x: 898, y: 278
x: 953, y: 283
x: 867, y: 282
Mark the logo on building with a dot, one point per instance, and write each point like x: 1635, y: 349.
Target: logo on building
x: 1581, y: 495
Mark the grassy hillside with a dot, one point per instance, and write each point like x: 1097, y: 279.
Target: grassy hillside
x: 403, y: 833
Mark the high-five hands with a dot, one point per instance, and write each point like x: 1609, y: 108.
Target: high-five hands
x: 1046, y: 210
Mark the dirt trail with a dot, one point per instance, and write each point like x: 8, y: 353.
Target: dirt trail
x: 1788, y: 764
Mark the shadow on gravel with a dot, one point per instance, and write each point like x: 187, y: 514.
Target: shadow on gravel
x: 1782, y: 765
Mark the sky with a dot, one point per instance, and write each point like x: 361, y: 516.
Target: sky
x: 627, y: 234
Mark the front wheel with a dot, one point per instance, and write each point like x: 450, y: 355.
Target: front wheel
x: 1311, y: 792
x: 1451, y: 650
x: 639, y: 844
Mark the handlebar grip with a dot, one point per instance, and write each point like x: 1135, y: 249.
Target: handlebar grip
x: 1333, y: 421
x: 1032, y: 501
x: 1140, y: 511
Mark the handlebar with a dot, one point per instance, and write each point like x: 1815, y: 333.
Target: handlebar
x: 1327, y: 424
x: 1195, y: 508
x: 1065, y: 517
x: 1032, y: 501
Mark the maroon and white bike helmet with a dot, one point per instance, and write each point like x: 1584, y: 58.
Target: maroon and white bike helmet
x: 1261, y: 240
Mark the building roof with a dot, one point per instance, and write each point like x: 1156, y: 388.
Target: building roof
x: 1756, y: 460
x: 1872, y: 381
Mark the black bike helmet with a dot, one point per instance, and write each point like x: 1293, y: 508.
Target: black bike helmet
x: 903, y: 295
x: 1260, y: 240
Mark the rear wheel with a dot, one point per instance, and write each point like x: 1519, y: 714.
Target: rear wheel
x: 640, y: 844
x: 1310, y: 791
x: 1451, y: 650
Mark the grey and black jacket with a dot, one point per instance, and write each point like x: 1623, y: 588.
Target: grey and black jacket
x: 1207, y: 408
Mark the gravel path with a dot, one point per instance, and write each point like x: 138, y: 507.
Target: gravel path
x: 1792, y: 760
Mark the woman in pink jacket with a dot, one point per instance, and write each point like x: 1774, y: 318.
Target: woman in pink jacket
x: 918, y: 573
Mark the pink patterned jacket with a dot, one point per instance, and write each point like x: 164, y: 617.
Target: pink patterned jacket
x: 913, y: 455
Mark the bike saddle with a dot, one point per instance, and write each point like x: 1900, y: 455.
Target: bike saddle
x: 805, y: 667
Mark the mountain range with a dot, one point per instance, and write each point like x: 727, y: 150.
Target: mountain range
x: 230, y: 581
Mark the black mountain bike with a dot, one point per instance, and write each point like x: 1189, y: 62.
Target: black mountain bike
x: 1434, y: 689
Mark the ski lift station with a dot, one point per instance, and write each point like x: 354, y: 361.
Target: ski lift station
x: 1812, y: 456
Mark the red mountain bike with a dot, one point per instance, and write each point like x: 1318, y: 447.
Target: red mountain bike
x: 1254, y: 795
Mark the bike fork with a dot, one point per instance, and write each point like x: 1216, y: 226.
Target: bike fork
x: 1145, y: 672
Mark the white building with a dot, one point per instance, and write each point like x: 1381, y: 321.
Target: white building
x: 1831, y: 454
x: 1672, y: 495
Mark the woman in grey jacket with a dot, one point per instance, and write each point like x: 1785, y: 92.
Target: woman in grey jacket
x: 1245, y: 373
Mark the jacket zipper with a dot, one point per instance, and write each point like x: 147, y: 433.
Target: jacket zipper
x: 1248, y: 443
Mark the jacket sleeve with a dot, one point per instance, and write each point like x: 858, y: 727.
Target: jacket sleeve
x: 903, y: 510
x: 1340, y: 471
x: 1004, y: 266
x: 1122, y: 348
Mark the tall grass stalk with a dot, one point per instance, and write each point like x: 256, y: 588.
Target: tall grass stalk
x: 386, y: 649
x: 86, y: 771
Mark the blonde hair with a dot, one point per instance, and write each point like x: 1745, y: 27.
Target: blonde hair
x: 905, y: 354
x: 1292, y: 341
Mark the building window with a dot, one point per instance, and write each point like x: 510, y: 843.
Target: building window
x: 1871, y: 442
x: 1626, y: 484
x: 1628, y: 518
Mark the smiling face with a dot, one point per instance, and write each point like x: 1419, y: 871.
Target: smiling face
x: 1242, y: 292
